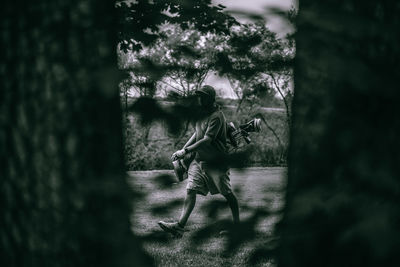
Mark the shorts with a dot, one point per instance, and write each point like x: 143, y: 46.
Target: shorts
x: 204, y: 179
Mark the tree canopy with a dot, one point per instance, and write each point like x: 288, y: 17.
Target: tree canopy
x: 140, y: 20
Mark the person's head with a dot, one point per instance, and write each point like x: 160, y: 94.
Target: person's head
x: 206, y: 96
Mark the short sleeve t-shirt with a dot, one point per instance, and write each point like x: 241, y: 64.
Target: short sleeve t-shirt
x: 214, y: 127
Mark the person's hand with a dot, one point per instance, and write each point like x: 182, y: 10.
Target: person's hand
x: 178, y: 155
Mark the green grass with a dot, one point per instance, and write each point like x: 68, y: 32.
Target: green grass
x: 256, y: 188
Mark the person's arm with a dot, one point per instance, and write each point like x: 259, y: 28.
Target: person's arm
x: 180, y: 153
x: 194, y: 147
x: 191, y: 141
x: 191, y: 148
x: 211, y: 133
x: 212, y: 130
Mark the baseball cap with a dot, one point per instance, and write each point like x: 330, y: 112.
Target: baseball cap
x: 207, y: 90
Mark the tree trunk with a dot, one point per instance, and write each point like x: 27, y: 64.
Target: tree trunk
x: 343, y: 193
x: 64, y: 199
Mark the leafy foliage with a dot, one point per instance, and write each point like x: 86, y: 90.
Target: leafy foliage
x: 258, y: 64
x: 183, y: 58
x: 343, y: 187
x: 140, y: 20
x: 63, y: 194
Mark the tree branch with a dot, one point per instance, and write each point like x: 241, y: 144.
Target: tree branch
x: 236, y: 92
x: 203, y: 77
x: 283, y: 97
x: 176, y: 88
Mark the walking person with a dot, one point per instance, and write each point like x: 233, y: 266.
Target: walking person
x: 208, y: 172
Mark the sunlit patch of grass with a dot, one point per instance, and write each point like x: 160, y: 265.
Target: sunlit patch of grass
x: 260, y: 188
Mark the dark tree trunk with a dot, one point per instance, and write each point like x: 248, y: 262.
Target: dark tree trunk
x: 343, y: 189
x: 63, y: 196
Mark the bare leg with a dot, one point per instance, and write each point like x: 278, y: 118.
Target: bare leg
x: 188, y: 205
x: 233, y: 204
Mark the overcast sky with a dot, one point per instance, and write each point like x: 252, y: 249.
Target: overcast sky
x: 254, y: 5
x: 259, y: 7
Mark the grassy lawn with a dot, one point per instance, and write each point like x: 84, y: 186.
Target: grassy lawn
x: 256, y: 189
